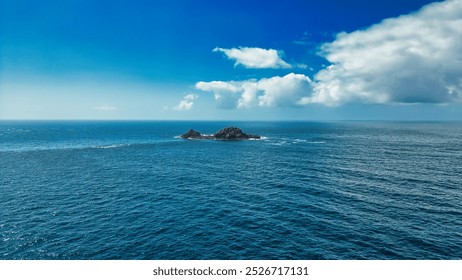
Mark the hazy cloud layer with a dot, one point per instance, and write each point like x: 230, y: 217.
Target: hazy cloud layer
x: 416, y: 58
x: 186, y: 103
x: 255, y: 57
x: 277, y: 91
x: 105, y: 108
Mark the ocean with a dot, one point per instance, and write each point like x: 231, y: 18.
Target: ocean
x: 308, y: 190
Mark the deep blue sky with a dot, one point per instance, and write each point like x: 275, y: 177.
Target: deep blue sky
x: 138, y: 59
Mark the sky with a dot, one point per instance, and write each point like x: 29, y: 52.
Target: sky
x: 231, y: 60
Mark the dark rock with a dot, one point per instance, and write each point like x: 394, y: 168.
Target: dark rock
x: 191, y: 134
x: 233, y: 133
x: 228, y: 133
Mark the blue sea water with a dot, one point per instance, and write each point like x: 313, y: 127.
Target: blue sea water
x: 308, y: 190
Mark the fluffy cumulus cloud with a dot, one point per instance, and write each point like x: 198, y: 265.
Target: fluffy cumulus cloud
x: 416, y: 58
x: 285, y: 91
x: 186, y: 103
x: 255, y: 57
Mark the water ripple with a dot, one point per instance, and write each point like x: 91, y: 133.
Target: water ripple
x: 307, y: 191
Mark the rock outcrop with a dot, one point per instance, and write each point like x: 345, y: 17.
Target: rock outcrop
x: 233, y: 133
x: 191, y: 134
x: 228, y: 133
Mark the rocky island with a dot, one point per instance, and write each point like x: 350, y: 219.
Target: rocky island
x: 228, y: 133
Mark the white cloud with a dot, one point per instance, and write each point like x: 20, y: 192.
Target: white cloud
x: 225, y: 92
x: 283, y: 91
x: 218, y: 86
x: 416, y: 58
x: 105, y: 108
x: 277, y: 91
x: 186, y: 103
x: 255, y: 57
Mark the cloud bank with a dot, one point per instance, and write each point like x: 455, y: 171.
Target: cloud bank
x: 414, y: 58
x: 255, y: 57
x: 105, y: 108
x: 277, y: 91
x: 186, y: 103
